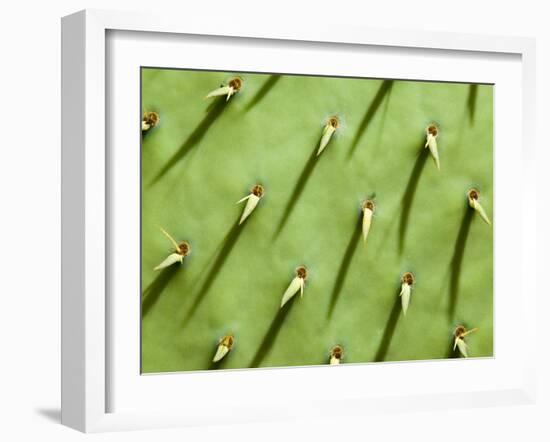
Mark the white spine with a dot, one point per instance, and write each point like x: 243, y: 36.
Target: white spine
x: 367, y: 218
x: 295, y: 285
x: 431, y: 143
x: 328, y: 131
x: 405, y: 296
x: 220, y: 353
x: 479, y: 209
x: 172, y: 240
x: 462, y: 347
x: 250, y: 206
x: 223, y: 90
x: 230, y: 93
x: 171, y: 259
x: 243, y: 199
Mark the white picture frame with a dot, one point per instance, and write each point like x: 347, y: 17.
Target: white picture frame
x: 87, y: 358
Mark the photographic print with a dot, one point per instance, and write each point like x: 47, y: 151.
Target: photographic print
x: 292, y: 220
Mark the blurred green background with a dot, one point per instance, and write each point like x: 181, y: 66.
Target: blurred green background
x: 206, y: 154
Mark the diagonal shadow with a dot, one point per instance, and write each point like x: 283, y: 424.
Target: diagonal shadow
x: 457, y: 260
x: 271, y: 335
x: 213, y: 112
x: 266, y: 87
x: 377, y: 145
x: 389, y: 330
x: 344, y: 266
x: 227, y: 246
x: 153, y: 291
x: 383, y: 91
x: 298, y: 190
x: 217, y: 365
x: 472, y: 100
x: 408, y: 196
x: 452, y: 353
x: 145, y: 134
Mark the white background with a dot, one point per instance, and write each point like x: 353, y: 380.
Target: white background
x: 30, y: 221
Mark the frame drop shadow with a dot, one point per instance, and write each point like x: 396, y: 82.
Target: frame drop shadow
x: 383, y: 91
x: 213, y: 112
x: 264, y: 90
x: 51, y: 414
x: 227, y: 246
x: 153, y: 291
x: 271, y: 334
x: 457, y: 260
x: 408, y: 195
x: 389, y: 330
x: 344, y: 266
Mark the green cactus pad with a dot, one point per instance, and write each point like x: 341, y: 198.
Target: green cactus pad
x: 204, y: 155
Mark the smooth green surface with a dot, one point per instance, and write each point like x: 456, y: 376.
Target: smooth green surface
x: 266, y: 134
